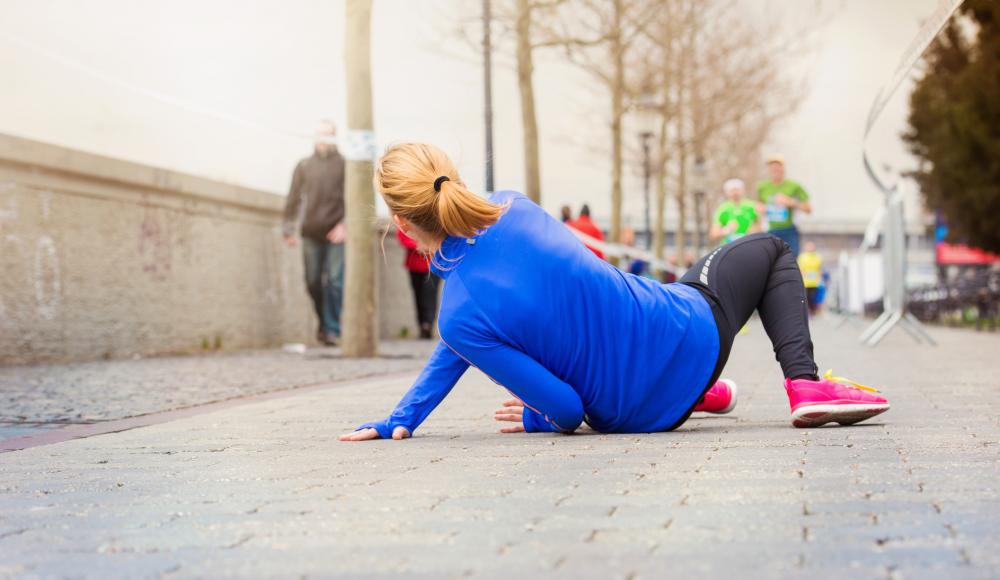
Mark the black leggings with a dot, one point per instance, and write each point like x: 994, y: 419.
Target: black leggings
x: 757, y: 272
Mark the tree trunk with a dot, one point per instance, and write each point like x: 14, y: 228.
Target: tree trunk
x: 662, y: 159
x: 681, y: 237
x: 663, y: 143
x: 529, y: 122
x: 681, y: 193
x: 617, y: 112
x: 684, y: 73
x: 359, y: 311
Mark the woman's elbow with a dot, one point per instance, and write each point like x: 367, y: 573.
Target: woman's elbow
x: 568, y: 420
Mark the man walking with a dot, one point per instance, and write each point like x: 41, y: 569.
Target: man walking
x: 782, y: 198
x: 317, y: 197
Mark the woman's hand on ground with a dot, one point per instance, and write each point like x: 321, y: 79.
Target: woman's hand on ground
x: 513, y: 411
x: 368, y: 434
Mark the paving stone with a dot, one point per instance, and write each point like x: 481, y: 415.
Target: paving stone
x: 266, y: 490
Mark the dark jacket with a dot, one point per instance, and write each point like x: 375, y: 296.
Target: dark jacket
x: 318, y: 181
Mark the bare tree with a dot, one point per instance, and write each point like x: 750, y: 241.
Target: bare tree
x: 720, y: 89
x: 518, y: 20
x: 525, y: 15
x: 598, y: 35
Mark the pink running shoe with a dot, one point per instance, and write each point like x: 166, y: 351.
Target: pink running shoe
x: 832, y: 400
x: 720, y: 399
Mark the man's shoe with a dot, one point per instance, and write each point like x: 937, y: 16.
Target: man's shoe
x: 720, y: 399
x: 327, y: 339
x: 832, y: 400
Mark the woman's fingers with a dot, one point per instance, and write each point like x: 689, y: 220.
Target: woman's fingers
x: 369, y: 434
x: 519, y: 409
x: 360, y: 435
x: 508, y: 417
x: 514, y: 429
x: 513, y: 403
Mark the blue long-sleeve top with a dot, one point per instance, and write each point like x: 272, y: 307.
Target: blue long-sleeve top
x: 566, y: 332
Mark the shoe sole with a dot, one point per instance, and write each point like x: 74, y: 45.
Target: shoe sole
x: 732, y: 400
x: 818, y: 415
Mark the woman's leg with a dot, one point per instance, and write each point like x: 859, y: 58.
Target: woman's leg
x: 758, y: 272
x: 785, y: 314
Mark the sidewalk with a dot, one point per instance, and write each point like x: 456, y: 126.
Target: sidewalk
x: 34, y: 398
x: 265, y: 489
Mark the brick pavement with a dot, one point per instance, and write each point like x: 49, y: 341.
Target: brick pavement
x: 266, y: 490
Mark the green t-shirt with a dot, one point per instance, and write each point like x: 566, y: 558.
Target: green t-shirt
x: 779, y: 216
x: 743, y: 214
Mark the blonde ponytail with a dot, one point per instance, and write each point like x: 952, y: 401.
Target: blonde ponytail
x: 463, y: 213
x: 405, y: 176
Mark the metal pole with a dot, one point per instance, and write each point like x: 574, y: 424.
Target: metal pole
x: 488, y: 85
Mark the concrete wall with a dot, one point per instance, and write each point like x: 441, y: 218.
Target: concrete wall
x: 101, y: 258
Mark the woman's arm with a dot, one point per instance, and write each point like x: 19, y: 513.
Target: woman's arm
x: 439, y: 376
x: 549, y: 403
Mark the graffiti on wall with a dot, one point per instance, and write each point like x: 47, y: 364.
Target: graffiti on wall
x: 36, y: 256
x: 155, y: 252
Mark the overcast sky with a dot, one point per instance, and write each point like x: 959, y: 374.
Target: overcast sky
x: 215, y: 88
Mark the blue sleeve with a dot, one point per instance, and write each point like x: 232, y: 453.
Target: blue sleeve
x: 439, y: 376
x: 550, y: 404
x: 535, y: 423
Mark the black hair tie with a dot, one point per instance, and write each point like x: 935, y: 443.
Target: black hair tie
x: 439, y: 181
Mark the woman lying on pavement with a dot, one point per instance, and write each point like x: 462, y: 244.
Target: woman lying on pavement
x: 576, y: 340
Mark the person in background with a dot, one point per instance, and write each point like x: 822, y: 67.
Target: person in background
x: 782, y: 198
x: 425, y: 285
x: 317, y: 198
x: 736, y: 217
x: 587, y: 226
x: 636, y: 266
x: 824, y: 283
x: 811, y: 266
x: 566, y: 213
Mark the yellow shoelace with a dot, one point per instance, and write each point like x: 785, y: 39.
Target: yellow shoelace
x: 848, y: 382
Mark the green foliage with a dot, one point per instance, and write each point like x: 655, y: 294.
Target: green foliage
x: 955, y: 125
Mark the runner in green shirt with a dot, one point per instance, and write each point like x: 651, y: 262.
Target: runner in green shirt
x: 736, y: 217
x: 782, y: 198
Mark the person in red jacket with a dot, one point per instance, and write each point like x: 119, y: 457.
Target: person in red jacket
x: 586, y: 225
x: 424, y: 283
